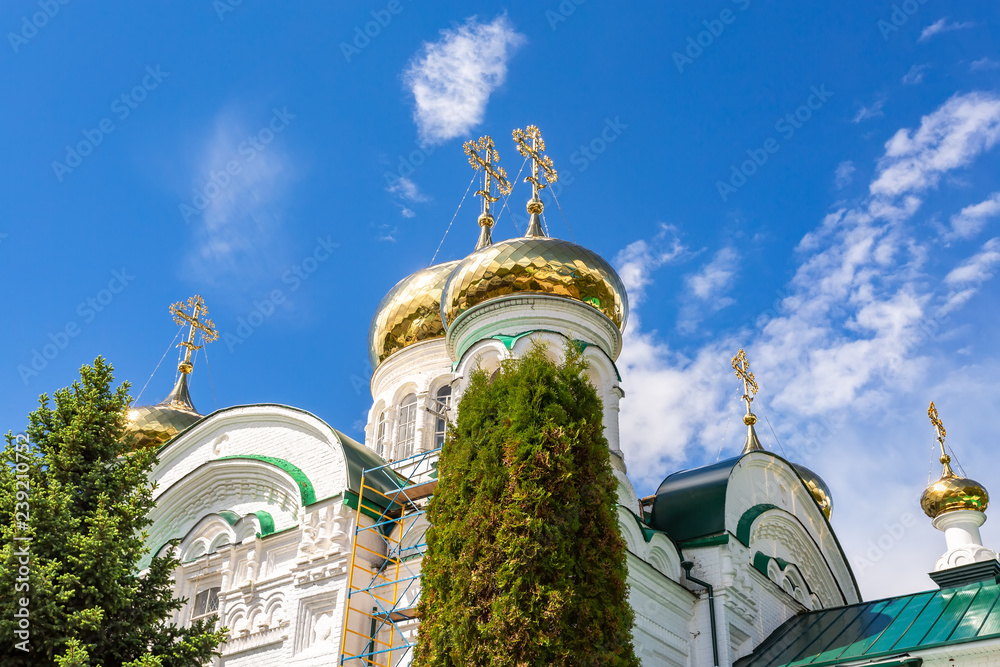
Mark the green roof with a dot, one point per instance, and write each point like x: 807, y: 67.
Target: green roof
x: 883, y: 628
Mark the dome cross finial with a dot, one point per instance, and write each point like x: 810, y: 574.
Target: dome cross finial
x: 198, y: 321
x: 483, y: 156
x: 742, y: 367
x: 541, y: 165
x: 941, y: 433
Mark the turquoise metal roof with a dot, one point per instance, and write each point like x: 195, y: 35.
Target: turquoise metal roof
x: 883, y: 628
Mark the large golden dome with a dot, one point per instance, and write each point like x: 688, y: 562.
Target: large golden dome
x: 153, y: 425
x: 409, y: 313
x: 535, y: 264
x: 952, y: 493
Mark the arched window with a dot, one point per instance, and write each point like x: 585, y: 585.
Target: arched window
x: 441, y: 425
x: 407, y: 416
x: 380, y: 434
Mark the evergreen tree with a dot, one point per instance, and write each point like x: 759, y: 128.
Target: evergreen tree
x: 74, y: 486
x: 525, y: 564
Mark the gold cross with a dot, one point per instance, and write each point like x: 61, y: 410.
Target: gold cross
x: 538, y: 161
x: 742, y: 367
x: 936, y: 420
x: 198, y: 320
x: 482, y: 156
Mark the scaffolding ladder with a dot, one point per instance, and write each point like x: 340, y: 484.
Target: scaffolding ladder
x: 383, y: 584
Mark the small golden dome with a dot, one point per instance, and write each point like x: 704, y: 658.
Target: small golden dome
x: 533, y: 264
x: 409, y: 313
x: 952, y: 493
x: 817, y: 487
x: 153, y: 425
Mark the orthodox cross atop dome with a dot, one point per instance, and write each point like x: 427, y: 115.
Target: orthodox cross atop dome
x: 951, y: 492
x: 742, y: 367
x: 198, y: 321
x: 941, y: 433
x: 194, y: 314
x: 541, y: 165
x: 483, y: 156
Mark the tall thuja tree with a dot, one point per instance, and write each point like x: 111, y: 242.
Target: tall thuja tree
x: 525, y: 564
x: 88, y: 494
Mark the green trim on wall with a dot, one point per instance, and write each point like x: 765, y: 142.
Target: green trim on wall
x: 746, y: 521
x: 266, y: 522
x: 231, y: 517
x: 306, y: 489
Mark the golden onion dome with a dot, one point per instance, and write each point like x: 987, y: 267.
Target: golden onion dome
x: 153, y: 425
x: 817, y: 487
x: 535, y: 264
x: 409, y: 313
x: 952, y: 493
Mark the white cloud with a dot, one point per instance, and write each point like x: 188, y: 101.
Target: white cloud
x: 407, y: 190
x: 915, y: 75
x: 942, y: 26
x: 452, y: 79
x: 841, y: 358
x: 871, y: 111
x: 239, y: 213
x: 844, y: 174
x: 983, y: 65
x: 949, y: 138
x: 972, y: 219
x: 716, y: 277
x: 977, y: 269
x: 637, y: 261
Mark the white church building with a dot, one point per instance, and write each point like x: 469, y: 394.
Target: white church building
x: 307, y: 544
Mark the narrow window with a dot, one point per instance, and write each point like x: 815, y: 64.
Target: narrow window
x: 441, y: 425
x: 380, y: 434
x: 407, y: 426
x: 206, y: 602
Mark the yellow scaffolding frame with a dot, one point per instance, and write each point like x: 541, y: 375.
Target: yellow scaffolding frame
x: 386, y: 590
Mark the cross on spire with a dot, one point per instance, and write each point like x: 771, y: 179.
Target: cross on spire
x: 742, y: 367
x: 541, y: 165
x: 941, y: 433
x: 483, y: 156
x: 198, y: 321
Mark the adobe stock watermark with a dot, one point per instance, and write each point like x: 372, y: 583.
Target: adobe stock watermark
x: 122, y: 107
x: 899, y: 16
x: 884, y: 543
x: 786, y: 126
x: 363, y: 35
x: 562, y: 13
x: 22, y: 541
x: 38, y: 20
x: 406, y: 166
x: 223, y: 7
x: 696, y: 45
x: 246, y: 151
x: 87, y: 311
x: 295, y: 276
x: 587, y: 153
x: 359, y: 382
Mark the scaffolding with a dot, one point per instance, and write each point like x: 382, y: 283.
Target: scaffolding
x: 383, y: 584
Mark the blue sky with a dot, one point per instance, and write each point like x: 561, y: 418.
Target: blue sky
x: 817, y: 185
